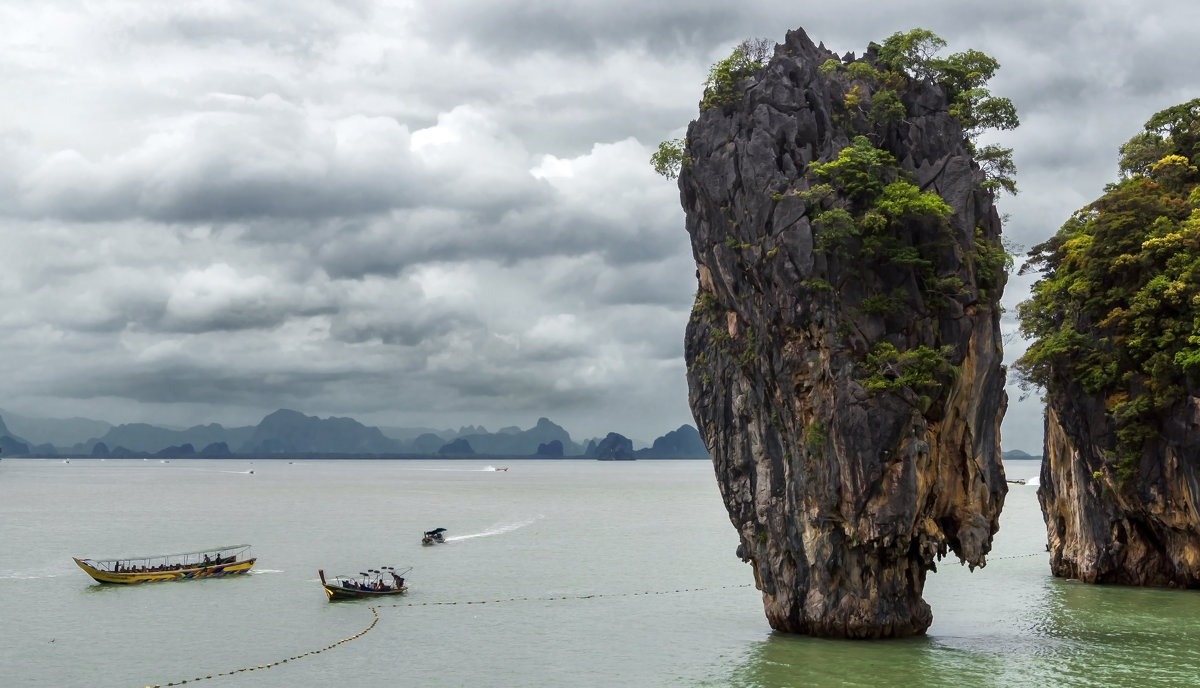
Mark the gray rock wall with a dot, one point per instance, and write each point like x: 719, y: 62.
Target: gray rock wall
x: 843, y: 499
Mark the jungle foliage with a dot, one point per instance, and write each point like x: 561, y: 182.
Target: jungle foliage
x: 907, y: 56
x: 860, y: 199
x: 1116, y: 310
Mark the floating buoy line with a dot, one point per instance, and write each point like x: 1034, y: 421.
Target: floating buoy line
x: 564, y: 597
x: 552, y: 598
x: 375, y: 620
x: 1017, y: 556
x: 260, y: 667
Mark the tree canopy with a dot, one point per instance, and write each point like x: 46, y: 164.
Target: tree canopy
x: 1116, y: 311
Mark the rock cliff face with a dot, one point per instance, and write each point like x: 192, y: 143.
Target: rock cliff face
x: 846, y: 473
x: 1147, y: 533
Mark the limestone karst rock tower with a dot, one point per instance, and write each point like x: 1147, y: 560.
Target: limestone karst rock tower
x: 844, y: 352
x: 1115, y: 329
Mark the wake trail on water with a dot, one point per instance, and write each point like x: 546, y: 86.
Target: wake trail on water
x: 485, y: 469
x: 33, y: 574
x: 496, y: 530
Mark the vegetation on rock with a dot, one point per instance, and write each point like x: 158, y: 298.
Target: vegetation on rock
x: 668, y: 160
x: 721, y: 86
x: 1116, y: 311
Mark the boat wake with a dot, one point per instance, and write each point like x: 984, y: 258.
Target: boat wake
x: 455, y: 470
x: 31, y: 574
x: 497, y: 530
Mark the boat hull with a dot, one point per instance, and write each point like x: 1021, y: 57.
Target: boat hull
x: 128, y: 578
x: 338, y: 593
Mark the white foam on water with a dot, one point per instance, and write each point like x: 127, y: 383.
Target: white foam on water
x: 496, y: 530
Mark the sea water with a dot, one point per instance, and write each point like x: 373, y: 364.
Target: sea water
x: 554, y: 573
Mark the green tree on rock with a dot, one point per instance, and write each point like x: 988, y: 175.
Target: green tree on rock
x: 1116, y: 311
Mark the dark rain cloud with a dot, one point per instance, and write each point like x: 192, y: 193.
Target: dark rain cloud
x: 442, y: 213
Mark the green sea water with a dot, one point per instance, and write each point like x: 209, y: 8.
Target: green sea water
x: 555, y: 573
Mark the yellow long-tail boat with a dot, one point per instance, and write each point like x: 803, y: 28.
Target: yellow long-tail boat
x: 230, y: 560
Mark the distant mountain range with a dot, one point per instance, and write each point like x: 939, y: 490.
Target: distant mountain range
x: 291, y: 434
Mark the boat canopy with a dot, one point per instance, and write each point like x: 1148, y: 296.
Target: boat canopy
x: 435, y: 531
x: 374, y: 573
x: 225, y: 551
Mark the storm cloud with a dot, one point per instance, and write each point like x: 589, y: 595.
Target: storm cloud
x: 442, y: 214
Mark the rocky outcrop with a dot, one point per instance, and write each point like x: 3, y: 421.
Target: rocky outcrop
x: 1113, y: 345
x: 216, y: 450
x: 291, y: 432
x: 846, y: 471
x: 514, y: 441
x: 549, y: 450
x: 684, y: 443
x: 458, y: 447
x: 614, y: 447
x: 1145, y: 532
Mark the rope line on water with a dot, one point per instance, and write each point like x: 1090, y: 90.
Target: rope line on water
x: 375, y: 620
x: 552, y: 598
x: 1017, y: 556
x: 282, y: 661
x: 555, y: 598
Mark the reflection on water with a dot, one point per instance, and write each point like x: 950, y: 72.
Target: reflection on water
x: 787, y: 660
x: 1008, y: 624
x: 1076, y: 635
x: 1113, y: 635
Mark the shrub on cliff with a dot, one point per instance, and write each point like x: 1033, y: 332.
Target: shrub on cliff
x: 720, y: 88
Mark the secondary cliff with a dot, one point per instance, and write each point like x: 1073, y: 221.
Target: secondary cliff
x: 844, y: 352
x: 1115, y: 327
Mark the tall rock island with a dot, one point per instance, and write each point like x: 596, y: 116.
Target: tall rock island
x: 1115, y: 327
x: 844, y: 351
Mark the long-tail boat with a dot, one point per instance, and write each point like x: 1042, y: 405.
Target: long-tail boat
x: 380, y: 582
x: 230, y: 560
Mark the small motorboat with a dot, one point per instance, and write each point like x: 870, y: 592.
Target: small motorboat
x: 435, y: 536
x: 1015, y: 481
x: 230, y: 560
x: 379, y: 582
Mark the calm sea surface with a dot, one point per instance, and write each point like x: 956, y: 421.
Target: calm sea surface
x: 556, y: 573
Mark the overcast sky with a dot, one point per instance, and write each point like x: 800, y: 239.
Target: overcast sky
x: 441, y: 213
